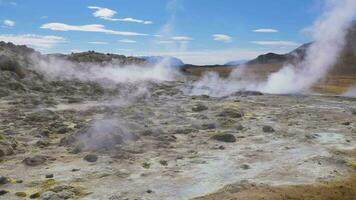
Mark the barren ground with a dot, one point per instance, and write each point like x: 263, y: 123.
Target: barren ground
x: 169, y: 145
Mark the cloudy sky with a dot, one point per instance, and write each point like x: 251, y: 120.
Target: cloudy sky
x: 196, y: 31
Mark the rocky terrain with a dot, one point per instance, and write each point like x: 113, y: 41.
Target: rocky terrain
x: 72, y: 138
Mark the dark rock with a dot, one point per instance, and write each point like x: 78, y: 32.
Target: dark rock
x: 268, y: 129
x: 63, y: 130
x: 163, y: 162
x: 49, y: 175
x: 224, y: 137
x: 245, y: 166
x: 3, y: 192
x: 4, y: 180
x: 21, y: 194
x: 91, y: 158
x: 232, y: 113
x: 221, y: 147
x: 35, y: 195
x: 42, y: 143
x: 346, y: 123
x: 199, y: 107
x: 34, y: 161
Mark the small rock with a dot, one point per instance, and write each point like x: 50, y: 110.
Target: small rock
x: 245, y: 166
x: 268, y: 129
x: 34, y: 161
x: 49, y: 175
x: 346, y: 123
x: 146, y: 165
x: 91, y: 158
x: 4, y: 180
x: 35, y: 195
x: 221, y: 147
x: 199, y: 107
x: 163, y: 162
x: 21, y: 194
x: 224, y: 137
x: 149, y: 191
x: 3, y: 192
x: 232, y: 113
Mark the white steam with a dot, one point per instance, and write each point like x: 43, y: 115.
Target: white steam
x: 328, y: 33
x: 61, y: 69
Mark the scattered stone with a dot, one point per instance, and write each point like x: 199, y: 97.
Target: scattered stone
x: 221, y: 147
x: 91, y: 158
x: 149, y: 191
x: 163, y: 162
x: 346, y: 123
x: 268, y: 129
x: 63, y: 130
x: 34, y: 161
x: 75, y: 170
x: 35, y: 195
x: 199, y: 108
x: 224, y: 137
x: 245, y: 166
x: 232, y: 113
x: 146, y: 165
x: 42, y: 143
x: 49, y: 175
x: 21, y: 194
x: 3, y: 192
x: 4, y: 180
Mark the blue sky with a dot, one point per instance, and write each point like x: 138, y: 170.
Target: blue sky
x: 197, y: 31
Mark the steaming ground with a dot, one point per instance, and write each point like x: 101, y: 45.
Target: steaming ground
x: 149, y: 139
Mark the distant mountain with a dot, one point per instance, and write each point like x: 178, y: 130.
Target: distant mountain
x: 348, y: 55
x: 235, y: 62
x: 172, y: 61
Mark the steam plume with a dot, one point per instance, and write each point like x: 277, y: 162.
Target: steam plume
x: 328, y: 33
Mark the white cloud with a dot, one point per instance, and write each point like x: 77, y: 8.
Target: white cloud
x: 87, y: 28
x: 276, y: 43
x: 108, y: 14
x: 164, y: 42
x: 104, y: 13
x: 266, y: 30
x: 97, y: 42
x: 222, y: 37
x: 46, y: 41
x: 127, y: 41
x: 181, y: 38
x: 8, y: 23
